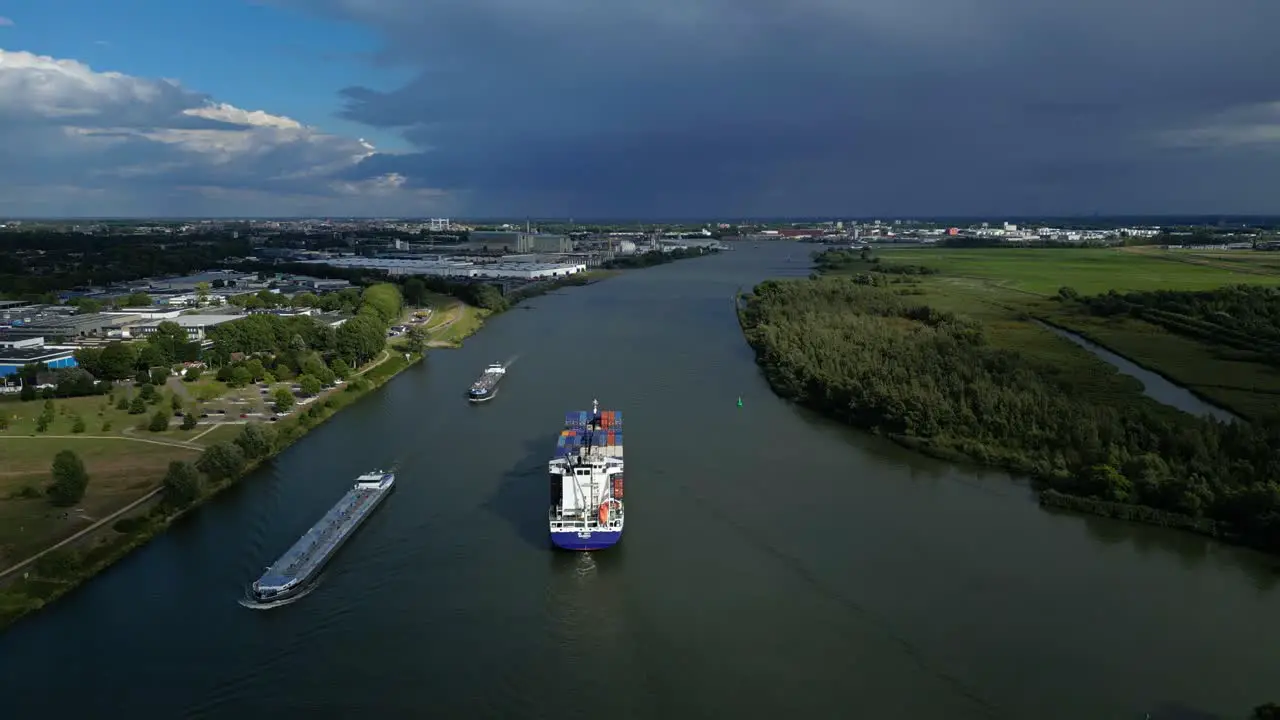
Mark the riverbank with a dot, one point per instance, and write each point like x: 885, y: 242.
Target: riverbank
x: 950, y: 368
x: 56, y: 572
x: 44, y: 576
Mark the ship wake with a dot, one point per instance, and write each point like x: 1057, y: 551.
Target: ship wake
x: 247, y: 600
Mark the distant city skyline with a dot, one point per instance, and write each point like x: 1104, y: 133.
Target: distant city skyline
x: 924, y: 108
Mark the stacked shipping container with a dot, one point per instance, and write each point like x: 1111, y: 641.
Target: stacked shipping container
x: 579, y: 432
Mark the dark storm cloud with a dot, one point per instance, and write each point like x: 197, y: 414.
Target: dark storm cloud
x: 763, y: 107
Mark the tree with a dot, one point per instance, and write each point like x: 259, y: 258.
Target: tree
x: 202, y: 292
x: 123, y: 403
x: 138, y: 299
x: 240, y: 376
x: 148, y: 393
x: 192, y: 374
x: 189, y: 421
x: 182, y: 484
x: 416, y: 340
x: 70, y: 480
x: 159, y: 421
x: 221, y: 461
x: 255, y: 369
x: 340, y: 368
x: 309, y: 385
x: 138, y: 406
x: 78, y: 426
x: 28, y: 393
x: 175, y: 402
x: 256, y: 441
x: 150, y: 356
x: 170, y: 340
x: 284, y: 399
x: 415, y: 292
x: 117, y: 361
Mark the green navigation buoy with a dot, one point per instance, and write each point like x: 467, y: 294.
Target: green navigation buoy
x: 739, y: 401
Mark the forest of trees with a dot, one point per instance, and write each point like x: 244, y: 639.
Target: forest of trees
x: 865, y: 259
x: 868, y: 356
x: 35, y: 264
x: 655, y: 257
x: 270, y: 347
x: 1243, y: 317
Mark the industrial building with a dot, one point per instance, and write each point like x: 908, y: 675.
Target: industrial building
x: 519, y: 242
x: 12, y: 359
x: 60, y: 323
x: 197, y: 326
x: 459, y: 269
x: 147, y: 313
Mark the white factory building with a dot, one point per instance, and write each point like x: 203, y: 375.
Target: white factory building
x: 197, y: 326
x: 461, y: 269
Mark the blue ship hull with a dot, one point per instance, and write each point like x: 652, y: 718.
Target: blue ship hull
x: 595, y: 540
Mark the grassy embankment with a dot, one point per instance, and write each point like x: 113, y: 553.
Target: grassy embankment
x: 1003, y: 290
x: 122, y: 508
x: 126, y: 464
x: 1004, y: 286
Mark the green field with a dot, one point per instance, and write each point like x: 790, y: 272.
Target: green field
x: 1005, y: 287
x: 120, y: 471
x: 1090, y: 271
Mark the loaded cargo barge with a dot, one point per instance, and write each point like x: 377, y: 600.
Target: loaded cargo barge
x: 586, y: 476
x: 486, y: 386
x: 291, y: 574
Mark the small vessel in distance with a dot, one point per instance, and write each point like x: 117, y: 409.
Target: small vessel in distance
x: 586, y: 511
x: 290, y: 575
x: 486, y: 386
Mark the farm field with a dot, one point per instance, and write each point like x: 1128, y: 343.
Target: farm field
x: 1090, y: 271
x: 1008, y: 287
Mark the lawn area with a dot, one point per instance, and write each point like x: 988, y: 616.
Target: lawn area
x: 124, y: 459
x: 465, y: 321
x: 1090, y: 271
x: 1006, y: 287
x: 120, y: 471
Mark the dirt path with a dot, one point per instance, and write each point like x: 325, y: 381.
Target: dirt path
x: 383, y: 358
x: 457, y: 315
x: 128, y: 434
x: 215, y: 426
x: 172, y: 443
x: 15, y: 568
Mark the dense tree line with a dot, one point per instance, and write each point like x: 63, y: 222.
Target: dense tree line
x: 35, y: 264
x: 850, y: 260
x: 266, y: 347
x: 655, y: 257
x: 870, y: 357
x: 1245, y: 317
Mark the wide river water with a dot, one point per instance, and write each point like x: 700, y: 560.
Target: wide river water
x: 775, y: 565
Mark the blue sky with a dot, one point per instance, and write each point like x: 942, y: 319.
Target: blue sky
x: 254, y: 56
x: 653, y: 108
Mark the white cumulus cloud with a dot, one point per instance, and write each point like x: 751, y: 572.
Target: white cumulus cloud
x: 74, y: 140
x: 5, y: 22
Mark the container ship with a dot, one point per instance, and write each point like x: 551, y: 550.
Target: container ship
x: 292, y: 573
x: 486, y: 386
x: 586, y: 510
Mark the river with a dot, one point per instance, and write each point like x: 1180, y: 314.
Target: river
x: 776, y: 565
x: 1156, y: 386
